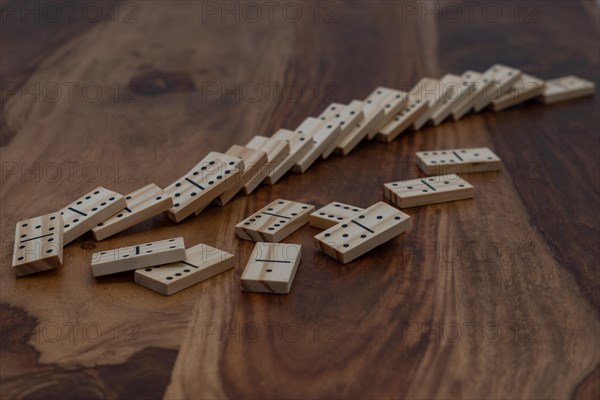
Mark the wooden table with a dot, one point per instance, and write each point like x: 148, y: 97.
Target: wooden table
x: 495, y: 297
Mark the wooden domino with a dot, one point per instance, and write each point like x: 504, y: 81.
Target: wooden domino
x: 87, y: 212
x: 277, y: 151
x: 500, y: 79
x: 201, y: 263
x: 275, y: 221
x: 414, y: 109
x: 347, y: 117
x: 323, y: 135
x: 391, y: 102
x: 299, y: 144
x: 254, y: 161
x: 441, y: 162
x: 332, y: 214
x: 354, y: 237
x: 567, y: 88
x: 373, y: 115
x: 526, y: 88
x: 142, y: 204
x: 430, y: 190
x: 440, y: 94
x: 271, y: 268
x: 38, y: 244
x: 459, y: 96
x: 210, y: 178
x: 138, y: 256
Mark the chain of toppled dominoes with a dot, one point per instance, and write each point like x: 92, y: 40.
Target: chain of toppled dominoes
x: 167, y: 266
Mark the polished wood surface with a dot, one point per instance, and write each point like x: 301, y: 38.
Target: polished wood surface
x: 494, y: 297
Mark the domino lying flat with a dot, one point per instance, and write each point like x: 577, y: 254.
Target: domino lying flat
x: 139, y: 256
x: 347, y: 117
x: 299, y: 144
x: 142, y: 204
x: 440, y: 162
x: 254, y: 161
x: 90, y: 210
x: 201, y: 263
x: 526, y: 88
x: 210, y: 178
x: 271, y: 268
x: 323, y: 135
x: 354, y: 237
x: 567, y: 88
x: 437, y: 189
x: 38, y: 244
x: 277, y: 151
x: 332, y: 214
x: 274, y: 222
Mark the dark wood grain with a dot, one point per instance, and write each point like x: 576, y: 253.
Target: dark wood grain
x: 494, y: 297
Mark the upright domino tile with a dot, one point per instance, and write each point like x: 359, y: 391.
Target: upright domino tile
x: 526, y: 88
x: 138, y: 256
x: 440, y: 162
x: 271, y: 268
x: 299, y: 144
x: 201, y: 263
x: 422, y: 191
x: 210, y: 178
x: 254, y: 161
x: 416, y: 107
x: 38, y: 244
x: 354, y: 237
x: 503, y: 78
x: 275, y: 221
x: 347, y: 117
x: 324, y: 135
x: 142, y: 204
x: 277, y: 151
x: 435, y: 92
x: 462, y: 90
x: 567, y: 88
x: 332, y: 214
x: 86, y: 213
x: 391, y: 102
x: 373, y: 116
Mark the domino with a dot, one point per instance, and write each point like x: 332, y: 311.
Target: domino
x: 254, y: 161
x: 324, y: 134
x: 567, y: 88
x: 271, y: 268
x: 415, y: 108
x: 458, y: 95
x: 210, y: 178
x: 275, y: 221
x: 141, y: 204
x: 438, y: 94
x: 347, y: 117
x: 354, y: 237
x: 38, y: 244
x: 139, y: 256
x: 332, y: 214
x: 470, y: 83
x: 526, y: 88
x: 441, y: 162
x: 276, y: 150
x: 299, y: 144
x: 373, y: 115
x: 90, y: 210
x: 391, y: 102
x: 502, y: 79
x: 436, y: 189
x: 201, y: 263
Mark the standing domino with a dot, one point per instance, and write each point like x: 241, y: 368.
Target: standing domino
x: 90, y: 210
x: 201, y: 263
x: 440, y: 162
x: 526, y: 88
x: 437, y: 93
x: 254, y: 161
x: 277, y: 151
x: 347, y: 116
x: 391, y: 101
x: 142, y: 204
x: 38, y: 244
x: 323, y: 135
x: 271, y: 268
x: 354, y: 237
x: 139, y: 256
x: 436, y: 189
x: 415, y: 108
x: 502, y: 79
x: 332, y: 214
x: 275, y: 221
x: 567, y: 88
x: 299, y: 144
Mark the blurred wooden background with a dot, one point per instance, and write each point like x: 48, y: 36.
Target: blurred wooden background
x: 495, y: 297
